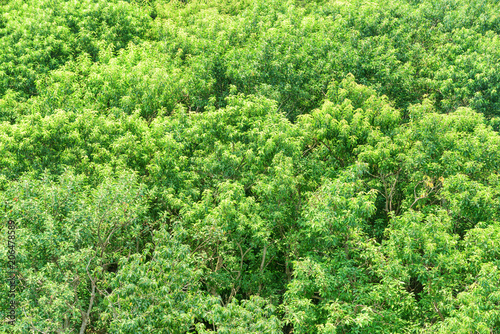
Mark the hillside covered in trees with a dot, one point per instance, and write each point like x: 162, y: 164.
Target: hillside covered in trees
x: 250, y: 166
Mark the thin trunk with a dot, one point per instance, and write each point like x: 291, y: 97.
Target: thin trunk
x: 262, y: 265
x: 86, y: 316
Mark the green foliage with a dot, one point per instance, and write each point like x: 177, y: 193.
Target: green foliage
x: 69, y: 236
x: 251, y: 166
x: 249, y: 316
x: 158, y: 290
x: 39, y: 36
x: 342, y: 284
x: 86, y: 141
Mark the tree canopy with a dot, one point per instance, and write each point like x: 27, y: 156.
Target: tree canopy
x: 247, y: 166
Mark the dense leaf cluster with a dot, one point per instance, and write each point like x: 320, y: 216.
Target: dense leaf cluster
x: 251, y: 166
